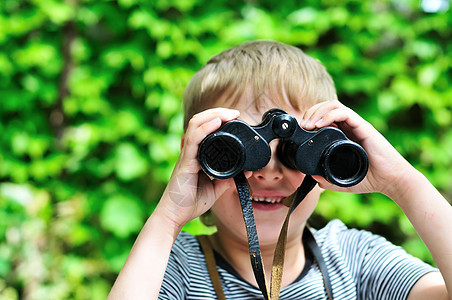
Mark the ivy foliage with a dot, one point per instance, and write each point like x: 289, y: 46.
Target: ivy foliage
x: 91, y: 117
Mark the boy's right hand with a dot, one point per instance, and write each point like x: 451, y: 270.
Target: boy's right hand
x: 190, y: 192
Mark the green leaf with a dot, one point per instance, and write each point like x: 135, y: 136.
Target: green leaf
x: 121, y: 215
x: 428, y: 75
x: 129, y: 162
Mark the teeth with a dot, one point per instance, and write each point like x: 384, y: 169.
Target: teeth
x: 264, y: 199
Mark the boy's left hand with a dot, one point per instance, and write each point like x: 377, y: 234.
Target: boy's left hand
x: 386, y: 166
x: 389, y: 173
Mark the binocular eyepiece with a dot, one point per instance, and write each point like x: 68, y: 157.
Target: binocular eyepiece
x: 237, y: 146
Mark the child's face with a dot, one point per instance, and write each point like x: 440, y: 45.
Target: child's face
x: 273, y: 182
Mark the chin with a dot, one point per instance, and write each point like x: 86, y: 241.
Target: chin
x: 268, y: 233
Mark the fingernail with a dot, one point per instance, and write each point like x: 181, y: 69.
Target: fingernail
x: 214, y: 121
x: 318, y: 123
x: 233, y: 113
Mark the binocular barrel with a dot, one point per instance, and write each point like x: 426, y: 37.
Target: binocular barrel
x: 222, y: 155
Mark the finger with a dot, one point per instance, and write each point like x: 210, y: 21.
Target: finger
x: 316, y: 113
x: 207, y: 121
x: 222, y: 186
x: 225, y: 114
x: 206, y: 195
x: 212, y: 194
x: 308, y: 114
x: 349, y: 121
x: 194, y: 136
x: 336, y: 115
x: 248, y: 174
x: 203, y: 124
x: 325, y: 184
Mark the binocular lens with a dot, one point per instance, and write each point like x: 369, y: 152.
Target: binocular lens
x: 222, y: 155
x: 345, y: 163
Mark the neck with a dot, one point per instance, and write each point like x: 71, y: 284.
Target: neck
x: 235, y: 251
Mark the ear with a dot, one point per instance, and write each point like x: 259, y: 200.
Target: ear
x: 182, y: 140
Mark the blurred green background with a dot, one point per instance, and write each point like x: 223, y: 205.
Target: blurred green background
x: 90, y: 107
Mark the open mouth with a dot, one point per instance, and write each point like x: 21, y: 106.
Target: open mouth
x: 266, y: 200
x: 266, y: 203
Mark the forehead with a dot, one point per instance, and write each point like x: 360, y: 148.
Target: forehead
x: 252, y: 108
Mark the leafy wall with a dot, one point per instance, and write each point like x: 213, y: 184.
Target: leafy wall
x: 90, y: 107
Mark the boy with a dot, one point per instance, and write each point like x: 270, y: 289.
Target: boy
x: 245, y: 82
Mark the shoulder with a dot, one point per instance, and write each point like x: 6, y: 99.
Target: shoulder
x: 337, y: 236
x: 333, y: 227
x: 377, y: 267
x: 186, y: 243
x: 360, y: 248
x: 337, y: 229
x: 186, y: 251
x: 186, y: 273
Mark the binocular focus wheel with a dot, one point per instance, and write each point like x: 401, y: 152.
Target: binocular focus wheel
x: 273, y: 111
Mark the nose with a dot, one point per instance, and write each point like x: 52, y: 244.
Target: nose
x: 273, y: 171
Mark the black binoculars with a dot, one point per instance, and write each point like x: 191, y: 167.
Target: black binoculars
x: 237, y: 146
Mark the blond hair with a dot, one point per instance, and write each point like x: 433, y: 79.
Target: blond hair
x: 267, y: 67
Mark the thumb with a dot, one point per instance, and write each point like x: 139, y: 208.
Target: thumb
x: 222, y: 186
x: 326, y: 185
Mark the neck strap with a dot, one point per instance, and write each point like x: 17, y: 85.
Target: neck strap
x: 314, y: 248
x: 311, y: 246
x: 278, y: 259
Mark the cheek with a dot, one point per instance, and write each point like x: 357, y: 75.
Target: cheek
x: 308, y: 205
x: 295, y: 178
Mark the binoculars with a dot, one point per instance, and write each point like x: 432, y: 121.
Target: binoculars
x: 237, y: 146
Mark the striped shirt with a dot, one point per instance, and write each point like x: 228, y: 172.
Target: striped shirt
x: 361, y: 265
